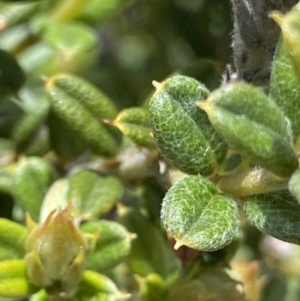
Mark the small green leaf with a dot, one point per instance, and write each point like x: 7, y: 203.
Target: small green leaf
x: 28, y: 126
x: 83, y: 108
x: 152, y: 287
x: 32, y: 178
x: 294, y: 185
x: 150, y: 251
x: 12, y: 238
x: 93, y: 194
x: 112, y: 245
x: 11, y: 75
x: 285, y: 87
x: 13, y: 280
x: 198, y: 216
x: 6, y: 180
x: 56, y: 197
x: 135, y: 124
x: 256, y: 136
x: 290, y: 27
x: 94, y: 283
x: 182, y: 131
x: 276, y: 214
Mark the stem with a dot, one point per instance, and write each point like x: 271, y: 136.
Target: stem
x: 251, y: 182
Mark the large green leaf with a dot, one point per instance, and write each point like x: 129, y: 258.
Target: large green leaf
x: 181, y: 130
x: 260, y: 132
x: 276, y: 214
x: 285, y: 87
x: 83, y: 108
x: 198, y: 216
x: 111, y: 247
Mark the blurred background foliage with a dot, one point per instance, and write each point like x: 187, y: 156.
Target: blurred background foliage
x: 121, y: 46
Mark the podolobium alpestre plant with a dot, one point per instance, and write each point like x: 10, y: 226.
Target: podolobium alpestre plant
x: 239, y: 148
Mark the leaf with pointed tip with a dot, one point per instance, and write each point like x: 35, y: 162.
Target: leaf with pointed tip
x: 198, y: 216
x: 32, y: 178
x: 83, y: 108
x: 250, y: 129
x: 112, y: 245
x: 135, y: 124
x: 56, y: 197
x: 285, y: 87
x: 182, y: 131
x: 14, y: 282
x: 96, y: 286
x: 93, y: 194
x: 276, y: 214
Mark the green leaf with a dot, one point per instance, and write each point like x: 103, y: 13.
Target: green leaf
x: 152, y: 287
x: 6, y: 180
x: 83, y: 108
x: 13, y: 280
x: 150, y: 251
x: 28, y: 126
x: 276, y: 214
x: 198, y: 216
x: 294, y: 185
x: 290, y: 27
x: 63, y: 139
x: 12, y: 14
x: 251, y: 131
x: 56, y: 197
x: 12, y: 238
x: 11, y: 75
x: 182, y: 131
x: 135, y: 124
x: 112, y: 245
x: 285, y: 87
x: 71, y: 37
x: 93, y: 194
x: 32, y: 178
x: 94, y: 284
x: 238, y: 99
